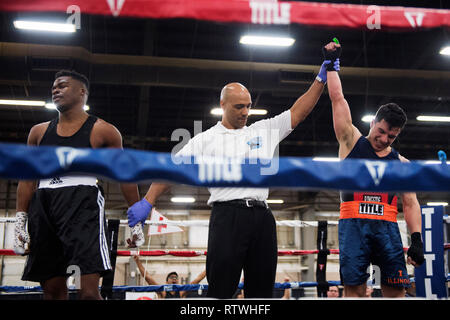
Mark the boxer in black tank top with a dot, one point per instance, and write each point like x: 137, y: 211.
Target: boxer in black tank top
x: 67, y: 225
x: 81, y: 138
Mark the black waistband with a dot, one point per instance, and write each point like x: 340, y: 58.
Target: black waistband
x: 248, y: 203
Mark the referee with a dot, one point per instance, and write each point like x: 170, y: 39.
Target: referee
x: 242, y: 229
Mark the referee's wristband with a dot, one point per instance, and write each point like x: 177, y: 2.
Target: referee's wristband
x: 320, y: 79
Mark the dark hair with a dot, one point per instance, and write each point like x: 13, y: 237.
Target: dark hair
x: 173, y: 272
x: 75, y: 75
x: 392, y: 114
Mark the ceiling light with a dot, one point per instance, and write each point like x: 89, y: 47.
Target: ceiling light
x: 259, y: 112
x: 33, y: 103
x: 368, y: 118
x: 276, y: 201
x: 326, y: 159
x: 182, y: 199
x: 44, y: 26
x: 217, y: 111
x: 53, y: 107
x: 433, y: 118
x: 431, y: 204
x: 267, y: 41
x: 435, y: 162
x: 445, y: 51
x: 177, y: 213
x: 328, y: 214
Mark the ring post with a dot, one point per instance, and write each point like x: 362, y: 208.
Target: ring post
x: 108, y: 280
x: 321, y: 268
x: 430, y: 276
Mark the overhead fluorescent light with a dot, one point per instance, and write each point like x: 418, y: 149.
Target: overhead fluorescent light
x: 182, y: 199
x: 257, y: 112
x: 433, y: 118
x: 32, y: 103
x: 53, y: 107
x: 217, y: 111
x: 437, y: 204
x: 44, y: 26
x: 445, y: 51
x: 435, y: 162
x: 328, y: 214
x: 368, y: 118
x: 177, y: 213
x: 252, y: 112
x: 267, y: 41
x: 326, y: 159
x: 276, y: 201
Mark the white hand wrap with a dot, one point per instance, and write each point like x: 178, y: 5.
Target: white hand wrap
x: 139, y: 232
x: 21, y: 238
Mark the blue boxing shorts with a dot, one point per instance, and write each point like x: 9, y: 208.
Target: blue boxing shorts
x: 369, y: 241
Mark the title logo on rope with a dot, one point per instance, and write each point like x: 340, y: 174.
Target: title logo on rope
x: 66, y: 155
x: 376, y: 170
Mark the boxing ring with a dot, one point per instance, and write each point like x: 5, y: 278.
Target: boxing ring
x: 24, y: 162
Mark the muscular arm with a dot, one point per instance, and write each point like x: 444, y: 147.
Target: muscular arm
x: 411, y: 208
x: 413, y: 218
x: 155, y: 191
x: 197, y: 280
x: 411, y: 211
x: 144, y: 273
x: 112, y: 138
x: 138, y: 212
x: 146, y: 276
x: 304, y: 104
x: 346, y: 133
x: 26, y: 188
x: 130, y: 192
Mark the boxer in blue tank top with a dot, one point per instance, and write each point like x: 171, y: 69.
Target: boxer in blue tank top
x: 368, y: 230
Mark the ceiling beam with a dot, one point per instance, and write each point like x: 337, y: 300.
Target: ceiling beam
x: 289, y: 79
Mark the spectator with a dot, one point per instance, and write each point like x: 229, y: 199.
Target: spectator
x: 172, y: 278
x: 333, y: 292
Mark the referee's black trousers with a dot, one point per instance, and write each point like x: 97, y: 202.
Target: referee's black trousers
x: 241, y: 238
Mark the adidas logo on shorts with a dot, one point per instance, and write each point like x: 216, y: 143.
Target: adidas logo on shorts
x: 56, y: 180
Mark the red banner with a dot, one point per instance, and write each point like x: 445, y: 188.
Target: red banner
x: 371, y: 17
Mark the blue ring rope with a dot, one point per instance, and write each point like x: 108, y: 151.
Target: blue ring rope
x: 178, y: 287
x: 29, y: 163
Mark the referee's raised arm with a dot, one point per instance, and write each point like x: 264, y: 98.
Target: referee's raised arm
x: 303, y: 106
